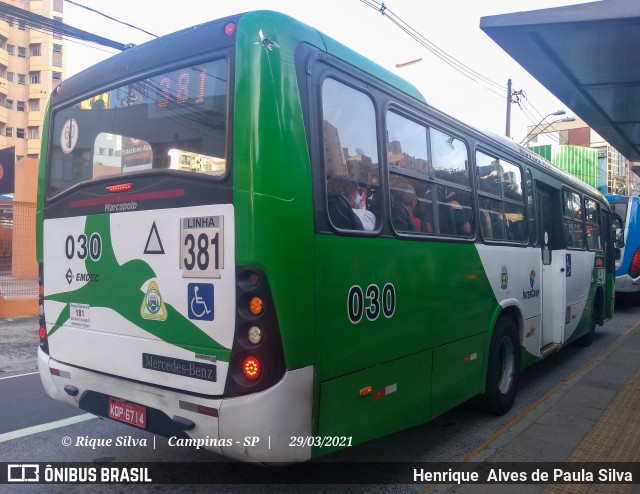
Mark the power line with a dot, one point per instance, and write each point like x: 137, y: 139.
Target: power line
x: 110, y: 18
x: 477, y: 77
x: 11, y: 13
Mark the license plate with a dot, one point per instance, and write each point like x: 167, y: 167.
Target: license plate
x: 127, y: 412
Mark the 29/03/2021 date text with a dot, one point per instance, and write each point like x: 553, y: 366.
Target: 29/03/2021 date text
x: 320, y: 441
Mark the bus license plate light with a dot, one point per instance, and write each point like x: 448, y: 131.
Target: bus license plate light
x: 127, y: 412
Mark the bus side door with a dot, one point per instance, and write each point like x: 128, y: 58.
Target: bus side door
x: 553, y: 265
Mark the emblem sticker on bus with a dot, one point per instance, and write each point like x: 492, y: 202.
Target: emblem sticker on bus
x: 201, y: 247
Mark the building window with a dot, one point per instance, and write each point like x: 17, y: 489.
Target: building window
x: 34, y: 132
x: 34, y: 77
x: 56, y: 20
x: 22, y: 25
x: 20, y: 133
x: 22, y: 79
x: 3, y: 71
x: 35, y: 49
x: 56, y: 58
x: 57, y: 77
x: 22, y: 52
x: 3, y: 42
x: 34, y: 105
x: 9, y: 132
x: 10, y: 76
x: 9, y: 104
x: 21, y: 106
x: 11, y: 49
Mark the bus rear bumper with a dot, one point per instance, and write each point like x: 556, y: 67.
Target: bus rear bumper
x: 257, y: 428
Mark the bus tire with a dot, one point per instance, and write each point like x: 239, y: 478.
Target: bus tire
x: 503, y: 368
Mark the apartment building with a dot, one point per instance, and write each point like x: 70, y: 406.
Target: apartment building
x: 32, y: 63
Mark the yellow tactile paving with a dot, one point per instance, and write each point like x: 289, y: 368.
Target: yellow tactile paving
x: 615, y: 438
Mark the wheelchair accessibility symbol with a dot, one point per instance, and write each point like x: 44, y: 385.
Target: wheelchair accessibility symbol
x: 200, y: 298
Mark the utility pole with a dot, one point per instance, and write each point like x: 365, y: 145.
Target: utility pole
x: 508, y: 131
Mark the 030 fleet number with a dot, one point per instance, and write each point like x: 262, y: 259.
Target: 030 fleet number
x: 371, y: 301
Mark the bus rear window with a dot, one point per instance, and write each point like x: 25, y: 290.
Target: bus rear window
x: 174, y: 120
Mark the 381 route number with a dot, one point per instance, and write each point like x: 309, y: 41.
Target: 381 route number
x: 377, y: 302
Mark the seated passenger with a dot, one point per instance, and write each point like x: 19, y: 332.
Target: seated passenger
x: 463, y: 226
x: 343, y: 192
x: 404, y: 208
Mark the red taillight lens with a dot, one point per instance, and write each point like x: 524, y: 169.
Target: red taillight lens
x: 42, y: 327
x: 229, y: 28
x: 251, y: 368
x: 634, y: 270
x: 119, y: 188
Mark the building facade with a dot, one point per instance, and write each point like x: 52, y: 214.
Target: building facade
x: 579, y: 150
x: 32, y: 63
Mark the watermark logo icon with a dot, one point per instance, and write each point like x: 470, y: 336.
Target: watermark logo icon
x: 23, y: 472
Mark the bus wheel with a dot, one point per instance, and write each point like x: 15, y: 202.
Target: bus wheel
x: 503, y: 367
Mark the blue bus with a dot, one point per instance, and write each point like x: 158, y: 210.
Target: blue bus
x: 628, y: 261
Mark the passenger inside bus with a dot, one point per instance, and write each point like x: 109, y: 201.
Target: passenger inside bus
x: 404, y: 212
x: 347, y: 205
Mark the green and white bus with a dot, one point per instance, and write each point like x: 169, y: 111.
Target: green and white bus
x: 254, y: 240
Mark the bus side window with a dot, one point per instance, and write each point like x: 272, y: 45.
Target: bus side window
x: 531, y: 211
x: 351, y: 162
x: 573, y: 220
x: 410, y: 175
x: 450, y: 165
x: 592, y: 217
x: 501, y: 199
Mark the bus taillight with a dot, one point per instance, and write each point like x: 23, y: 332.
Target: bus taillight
x: 251, y: 368
x: 229, y: 28
x: 42, y: 331
x: 257, y: 357
x: 256, y: 305
x: 634, y: 270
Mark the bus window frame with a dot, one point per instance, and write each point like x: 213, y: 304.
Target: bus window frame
x: 347, y: 80
x: 434, y: 182
x: 565, y: 217
x: 514, y: 161
x: 530, y: 207
x: 598, y: 215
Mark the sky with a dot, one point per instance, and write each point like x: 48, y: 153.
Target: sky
x: 450, y: 25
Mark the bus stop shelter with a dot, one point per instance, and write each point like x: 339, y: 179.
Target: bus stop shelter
x: 588, y: 56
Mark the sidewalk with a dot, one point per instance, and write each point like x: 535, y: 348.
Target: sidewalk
x: 593, y: 416
x: 18, y: 345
